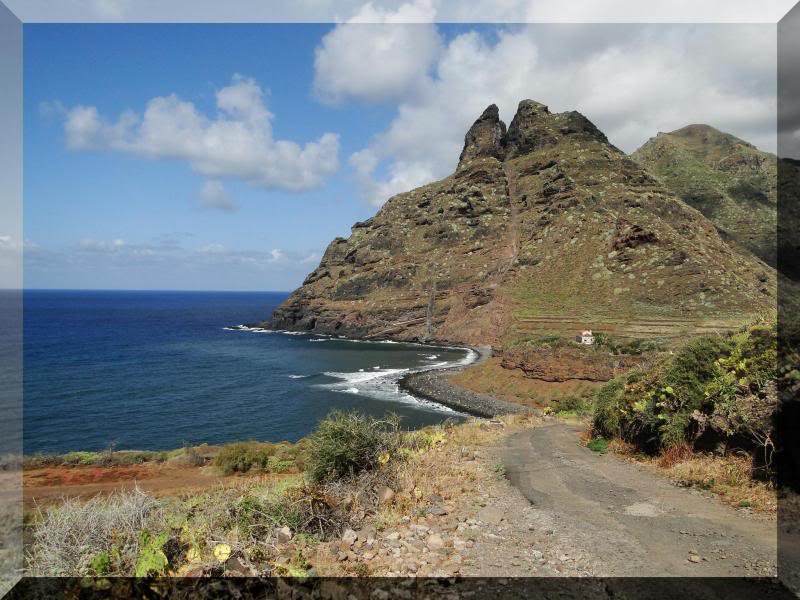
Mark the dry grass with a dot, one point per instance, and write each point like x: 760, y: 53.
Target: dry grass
x: 730, y: 477
x: 66, y: 538
x: 622, y: 448
x: 674, y: 455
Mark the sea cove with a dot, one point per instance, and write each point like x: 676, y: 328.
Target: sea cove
x: 156, y: 370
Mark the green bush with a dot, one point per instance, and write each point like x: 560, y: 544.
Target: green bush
x: 346, y: 443
x: 609, y: 408
x: 241, y: 457
x: 673, y: 401
x: 579, y: 404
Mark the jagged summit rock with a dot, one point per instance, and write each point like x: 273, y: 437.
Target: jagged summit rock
x: 727, y: 179
x: 485, y: 137
x: 543, y: 229
x: 533, y: 127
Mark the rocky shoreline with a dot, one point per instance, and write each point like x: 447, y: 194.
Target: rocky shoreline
x: 433, y: 385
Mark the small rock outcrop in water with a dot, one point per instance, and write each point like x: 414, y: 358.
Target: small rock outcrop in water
x: 544, y: 228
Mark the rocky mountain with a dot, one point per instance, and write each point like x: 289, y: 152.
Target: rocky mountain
x: 727, y: 179
x: 543, y: 228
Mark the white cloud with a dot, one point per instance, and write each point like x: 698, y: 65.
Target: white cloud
x: 237, y: 142
x: 312, y: 258
x: 119, y: 247
x: 277, y: 255
x: 111, y: 9
x: 377, y: 54
x: 448, y: 11
x: 161, y: 249
x: 214, y: 195
x: 212, y: 249
x: 9, y: 244
x: 631, y: 81
x: 220, y: 254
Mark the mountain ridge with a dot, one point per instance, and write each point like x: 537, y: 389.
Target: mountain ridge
x: 543, y: 227
x: 726, y: 178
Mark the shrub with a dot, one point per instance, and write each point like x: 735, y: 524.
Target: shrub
x: 610, y: 407
x: 346, y: 443
x: 572, y: 404
x: 243, y: 456
x: 191, y: 456
x: 97, y: 534
x: 725, y: 383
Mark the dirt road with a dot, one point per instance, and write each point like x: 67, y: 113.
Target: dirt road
x: 622, y: 520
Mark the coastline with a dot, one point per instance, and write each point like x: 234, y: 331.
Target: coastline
x: 432, y: 385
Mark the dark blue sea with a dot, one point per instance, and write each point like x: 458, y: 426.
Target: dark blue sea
x: 157, y: 370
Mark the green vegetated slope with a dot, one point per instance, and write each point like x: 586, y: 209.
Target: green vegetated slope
x: 714, y: 393
x: 727, y: 179
x: 544, y: 227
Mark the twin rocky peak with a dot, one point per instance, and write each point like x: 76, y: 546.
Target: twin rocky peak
x: 545, y: 228
x: 532, y: 127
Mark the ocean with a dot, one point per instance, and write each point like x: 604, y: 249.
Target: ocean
x: 157, y: 370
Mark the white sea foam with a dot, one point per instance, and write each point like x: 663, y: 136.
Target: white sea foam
x: 248, y: 328
x: 361, y: 376
x: 381, y: 384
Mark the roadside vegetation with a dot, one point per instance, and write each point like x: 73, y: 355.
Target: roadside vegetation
x: 703, y: 413
x: 351, y: 468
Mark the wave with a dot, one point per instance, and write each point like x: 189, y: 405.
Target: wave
x: 380, y: 384
x: 248, y: 328
x: 265, y: 330
x: 362, y: 376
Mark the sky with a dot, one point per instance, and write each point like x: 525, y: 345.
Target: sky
x: 212, y: 157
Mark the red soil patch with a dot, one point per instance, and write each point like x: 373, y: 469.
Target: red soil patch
x: 51, y: 484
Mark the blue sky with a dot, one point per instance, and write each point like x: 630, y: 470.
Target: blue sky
x: 279, y: 137
x: 102, y: 196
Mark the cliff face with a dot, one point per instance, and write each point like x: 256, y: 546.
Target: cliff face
x: 727, y: 179
x: 543, y: 228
